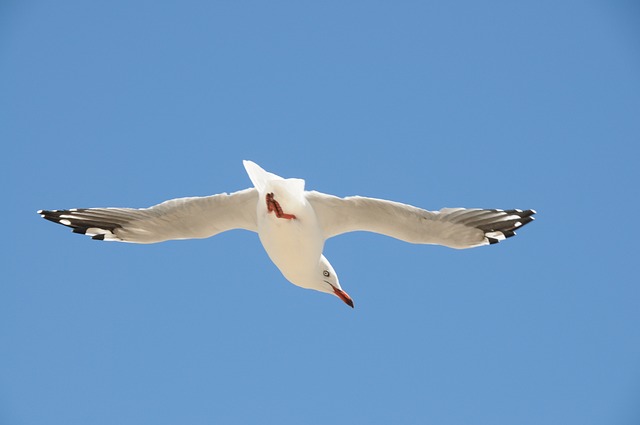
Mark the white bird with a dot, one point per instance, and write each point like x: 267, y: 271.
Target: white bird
x: 293, y: 224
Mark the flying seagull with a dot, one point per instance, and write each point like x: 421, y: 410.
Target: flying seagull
x: 293, y: 224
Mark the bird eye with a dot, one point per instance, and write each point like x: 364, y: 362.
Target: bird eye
x: 326, y: 273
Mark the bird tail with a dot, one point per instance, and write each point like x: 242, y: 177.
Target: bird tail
x: 265, y: 181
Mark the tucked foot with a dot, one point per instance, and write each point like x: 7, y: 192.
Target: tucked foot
x: 274, y: 207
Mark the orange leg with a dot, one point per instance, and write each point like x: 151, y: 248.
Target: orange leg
x: 274, y: 207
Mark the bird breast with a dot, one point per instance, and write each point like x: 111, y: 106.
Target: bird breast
x: 294, y: 245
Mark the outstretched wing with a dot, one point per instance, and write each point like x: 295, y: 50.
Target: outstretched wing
x: 452, y: 227
x: 182, y: 218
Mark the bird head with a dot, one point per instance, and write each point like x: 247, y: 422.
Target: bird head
x: 326, y: 280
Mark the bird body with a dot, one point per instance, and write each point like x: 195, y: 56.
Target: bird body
x: 294, y: 245
x: 293, y: 223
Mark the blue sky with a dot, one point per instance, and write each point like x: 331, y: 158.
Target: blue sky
x: 437, y: 104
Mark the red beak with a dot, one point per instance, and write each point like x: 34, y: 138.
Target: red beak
x: 343, y: 296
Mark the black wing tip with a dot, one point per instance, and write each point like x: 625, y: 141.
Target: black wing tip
x: 526, y: 220
x: 46, y: 213
x: 520, y: 217
x: 521, y: 213
x: 51, y: 215
x: 498, y: 233
x: 100, y: 230
x: 56, y: 216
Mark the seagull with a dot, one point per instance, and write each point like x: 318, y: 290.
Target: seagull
x: 293, y: 224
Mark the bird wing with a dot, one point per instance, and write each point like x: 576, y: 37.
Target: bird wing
x: 182, y: 218
x: 453, y: 227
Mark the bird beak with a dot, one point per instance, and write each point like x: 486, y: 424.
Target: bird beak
x: 343, y: 296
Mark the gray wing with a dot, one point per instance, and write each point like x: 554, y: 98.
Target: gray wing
x: 182, y: 218
x: 452, y: 227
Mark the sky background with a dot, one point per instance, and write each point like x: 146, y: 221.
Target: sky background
x: 436, y: 104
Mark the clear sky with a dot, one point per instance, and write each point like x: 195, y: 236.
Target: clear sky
x: 438, y: 104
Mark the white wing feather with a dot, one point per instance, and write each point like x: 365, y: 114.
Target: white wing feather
x: 182, y: 218
x: 453, y: 227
